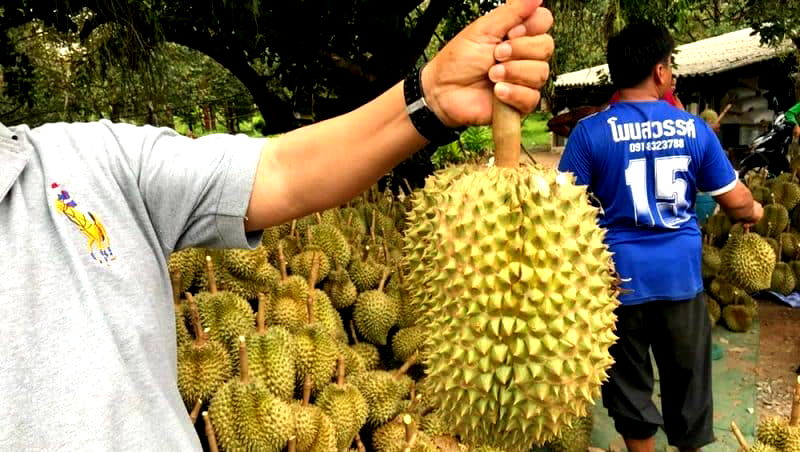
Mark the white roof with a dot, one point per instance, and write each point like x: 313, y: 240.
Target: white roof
x: 707, y: 56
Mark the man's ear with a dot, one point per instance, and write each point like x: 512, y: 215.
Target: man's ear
x: 661, y: 74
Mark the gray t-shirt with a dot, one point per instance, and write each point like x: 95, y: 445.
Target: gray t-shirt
x: 89, y: 214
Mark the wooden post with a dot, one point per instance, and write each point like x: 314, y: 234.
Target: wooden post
x: 794, y: 419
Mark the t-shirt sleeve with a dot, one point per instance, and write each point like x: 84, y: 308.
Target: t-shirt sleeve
x: 716, y: 174
x: 196, y: 191
x: 791, y: 114
x: 576, y: 157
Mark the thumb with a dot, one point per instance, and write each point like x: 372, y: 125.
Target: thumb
x: 505, y: 17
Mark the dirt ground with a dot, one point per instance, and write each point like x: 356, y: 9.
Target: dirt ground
x: 779, y: 357
x: 548, y: 159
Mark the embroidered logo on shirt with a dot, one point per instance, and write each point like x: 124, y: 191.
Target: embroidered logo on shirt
x: 88, y: 224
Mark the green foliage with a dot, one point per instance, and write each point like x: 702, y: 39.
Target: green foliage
x: 475, y: 142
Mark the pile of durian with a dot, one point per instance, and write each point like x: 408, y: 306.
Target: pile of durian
x: 309, y: 342
x: 775, y: 434
x: 739, y: 262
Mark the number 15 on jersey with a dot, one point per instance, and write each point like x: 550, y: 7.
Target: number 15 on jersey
x: 669, y: 192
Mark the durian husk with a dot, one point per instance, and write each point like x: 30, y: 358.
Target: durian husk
x: 514, y: 286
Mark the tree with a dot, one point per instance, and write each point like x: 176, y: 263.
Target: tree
x: 306, y: 58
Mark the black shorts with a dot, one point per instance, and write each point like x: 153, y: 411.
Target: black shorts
x: 680, y: 334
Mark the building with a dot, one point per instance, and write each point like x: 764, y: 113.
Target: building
x: 734, y: 68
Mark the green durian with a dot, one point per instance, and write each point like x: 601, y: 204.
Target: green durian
x: 407, y: 341
x: 340, y: 289
x: 247, y: 416
x: 302, y: 262
x: 203, y: 365
x: 315, y: 352
x: 786, y: 194
x: 711, y: 261
x: 328, y: 238
x: 391, y: 437
x: 576, y: 438
x: 189, y: 263
x: 762, y: 194
x: 271, y: 356
x: 369, y: 354
x: 747, y: 262
x: 724, y: 292
x: 718, y: 226
x: 737, y: 318
x: 375, y: 314
x: 518, y: 299
x: 347, y: 409
x: 761, y: 447
x: 384, y: 392
x: 790, y: 245
x: 783, y: 280
x: 774, y: 221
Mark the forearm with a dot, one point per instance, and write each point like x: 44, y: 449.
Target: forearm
x: 329, y: 163
x: 738, y: 203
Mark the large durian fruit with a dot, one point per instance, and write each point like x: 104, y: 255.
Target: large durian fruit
x: 747, y: 262
x: 514, y: 284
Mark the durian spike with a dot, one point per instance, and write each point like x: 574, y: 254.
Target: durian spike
x: 212, y: 279
x: 386, y: 273
x: 196, y: 410
x: 359, y: 445
x: 282, y: 262
x: 312, y: 277
x: 340, y: 370
x: 199, y: 334
x: 353, y: 331
x: 306, y: 390
x: 739, y: 437
x: 261, y: 314
x: 291, y: 446
x: 411, y: 432
x: 212, y: 438
x: 406, y: 365
x: 506, y: 134
x: 244, y: 364
x: 177, y: 281
x: 794, y: 419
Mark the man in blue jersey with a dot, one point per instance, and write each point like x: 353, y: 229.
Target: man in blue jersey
x: 645, y: 160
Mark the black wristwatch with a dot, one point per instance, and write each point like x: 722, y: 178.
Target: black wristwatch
x: 424, y: 119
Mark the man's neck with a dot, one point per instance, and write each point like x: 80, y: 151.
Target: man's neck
x: 646, y: 93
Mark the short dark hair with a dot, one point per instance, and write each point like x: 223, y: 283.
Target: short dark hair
x: 633, y: 52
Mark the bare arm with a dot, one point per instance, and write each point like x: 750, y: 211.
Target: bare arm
x: 740, y: 205
x: 503, y: 54
x: 330, y: 162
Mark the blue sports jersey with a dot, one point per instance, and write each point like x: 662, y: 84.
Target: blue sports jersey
x: 645, y: 163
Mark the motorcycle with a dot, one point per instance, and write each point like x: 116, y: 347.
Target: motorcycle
x: 770, y: 149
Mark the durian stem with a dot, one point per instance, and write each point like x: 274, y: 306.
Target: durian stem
x: 309, y: 235
x: 414, y: 398
x: 411, y: 432
x: 794, y: 419
x: 293, y: 228
x: 196, y: 411
x: 244, y: 364
x: 340, y: 370
x: 312, y: 278
x: 177, y: 281
x: 291, y: 446
x: 261, y: 314
x: 306, y: 390
x: 350, y: 219
x: 372, y: 227
x: 406, y: 365
x: 282, y: 262
x: 212, y: 438
x: 359, y: 445
x: 319, y: 217
x: 199, y: 334
x: 386, y: 254
x: 506, y: 134
x: 408, y: 186
x: 353, y: 331
x: 212, y: 279
x: 386, y: 273
x: 739, y: 437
